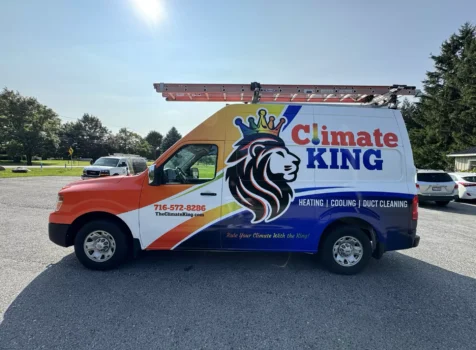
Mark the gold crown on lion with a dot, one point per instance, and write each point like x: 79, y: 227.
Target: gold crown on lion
x: 263, y: 126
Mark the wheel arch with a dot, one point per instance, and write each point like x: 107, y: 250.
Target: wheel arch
x: 362, y: 224
x: 80, y: 221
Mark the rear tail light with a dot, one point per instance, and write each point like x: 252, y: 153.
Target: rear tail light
x: 456, y: 186
x: 466, y: 184
x: 415, y: 208
x: 417, y: 186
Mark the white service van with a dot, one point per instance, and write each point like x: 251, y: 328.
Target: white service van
x: 282, y: 173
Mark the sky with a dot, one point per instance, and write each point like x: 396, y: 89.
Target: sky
x: 103, y: 56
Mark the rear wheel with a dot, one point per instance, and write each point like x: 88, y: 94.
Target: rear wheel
x: 346, y: 250
x: 442, y: 203
x: 101, y: 245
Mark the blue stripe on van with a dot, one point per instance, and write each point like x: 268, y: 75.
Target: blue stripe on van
x: 290, y: 114
x: 300, y: 227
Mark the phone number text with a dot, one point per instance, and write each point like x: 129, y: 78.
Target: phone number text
x: 179, y: 207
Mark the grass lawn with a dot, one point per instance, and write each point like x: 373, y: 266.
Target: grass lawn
x: 77, y: 172
x: 205, y: 171
x: 47, y: 162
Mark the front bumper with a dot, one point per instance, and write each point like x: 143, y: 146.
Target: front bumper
x: 428, y: 198
x: 59, y: 234
x: 469, y: 195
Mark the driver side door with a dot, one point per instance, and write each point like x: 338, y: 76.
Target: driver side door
x: 180, y: 213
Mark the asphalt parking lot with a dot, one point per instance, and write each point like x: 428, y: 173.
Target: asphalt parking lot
x: 423, y: 298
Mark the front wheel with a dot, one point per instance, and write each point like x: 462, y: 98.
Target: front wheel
x: 346, y: 250
x: 442, y: 203
x: 101, y: 245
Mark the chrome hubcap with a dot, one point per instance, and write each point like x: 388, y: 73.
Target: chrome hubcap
x: 347, y: 251
x: 99, y: 246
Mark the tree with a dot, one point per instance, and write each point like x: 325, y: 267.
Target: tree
x: 172, y: 136
x: 3, y: 132
x: 445, y: 120
x: 27, y: 126
x: 126, y: 141
x: 154, y: 138
x: 410, y: 114
x: 88, y: 137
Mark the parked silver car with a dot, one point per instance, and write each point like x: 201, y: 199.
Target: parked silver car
x: 436, y: 186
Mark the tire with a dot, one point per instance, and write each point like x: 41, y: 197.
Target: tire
x: 101, y: 229
x: 442, y: 203
x: 347, y: 235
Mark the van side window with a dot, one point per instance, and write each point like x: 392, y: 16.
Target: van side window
x: 192, y: 164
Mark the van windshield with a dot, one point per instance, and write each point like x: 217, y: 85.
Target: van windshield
x: 112, y: 162
x: 434, y: 177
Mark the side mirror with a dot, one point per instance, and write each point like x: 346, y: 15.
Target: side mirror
x: 195, y: 173
x: 123, y: 165
x: 158, y: 175
x: 155, y: 175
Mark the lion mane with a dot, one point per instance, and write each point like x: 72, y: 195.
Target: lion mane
x: 251, y: 181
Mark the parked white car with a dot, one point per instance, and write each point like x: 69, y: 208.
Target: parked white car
x: 436, y: 186
x: 106, y: 166
x: 466, y: 185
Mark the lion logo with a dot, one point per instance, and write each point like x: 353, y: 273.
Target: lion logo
x: 261, y: 167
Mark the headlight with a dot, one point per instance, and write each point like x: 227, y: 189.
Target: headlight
x: 84, y: 171
x: 59, y: 202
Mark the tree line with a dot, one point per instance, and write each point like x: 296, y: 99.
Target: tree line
x: 441, y: 122
x: 29, y: 128
x: 444, y: 120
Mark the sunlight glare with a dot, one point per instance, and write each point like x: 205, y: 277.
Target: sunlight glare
x: 151, y: 11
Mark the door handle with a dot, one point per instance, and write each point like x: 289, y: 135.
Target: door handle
x: 208, y: 194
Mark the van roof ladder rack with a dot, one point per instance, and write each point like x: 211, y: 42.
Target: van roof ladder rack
x: 370, y: 95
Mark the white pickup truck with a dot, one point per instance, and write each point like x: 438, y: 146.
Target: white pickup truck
x: 107, y: 166
x: 115, y: 165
